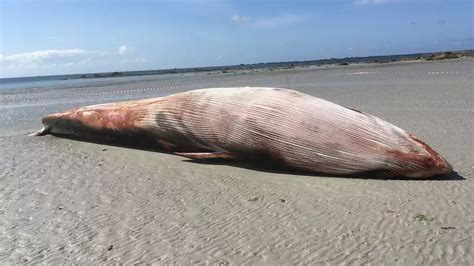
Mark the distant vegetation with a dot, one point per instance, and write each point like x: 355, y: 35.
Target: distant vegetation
x: 441, y: 56
x: 102, y: 75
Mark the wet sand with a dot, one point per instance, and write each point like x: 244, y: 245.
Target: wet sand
x: 66, y: 201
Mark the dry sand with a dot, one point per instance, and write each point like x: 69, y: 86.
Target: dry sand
x: 65, y: 201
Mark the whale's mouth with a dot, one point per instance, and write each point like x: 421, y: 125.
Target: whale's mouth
x: 45, y: 130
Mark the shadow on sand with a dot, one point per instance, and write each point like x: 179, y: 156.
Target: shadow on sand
x: 277, y: 168
x: 269, y: 166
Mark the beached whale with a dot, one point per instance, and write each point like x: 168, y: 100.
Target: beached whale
x: 248, y: 123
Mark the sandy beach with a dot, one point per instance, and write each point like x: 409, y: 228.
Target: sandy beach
x: 70, y: 202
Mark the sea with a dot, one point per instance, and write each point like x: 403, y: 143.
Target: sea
x: 42, y: 82
x: 78, y: 80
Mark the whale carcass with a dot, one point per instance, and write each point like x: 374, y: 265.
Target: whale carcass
x: 247, y: 123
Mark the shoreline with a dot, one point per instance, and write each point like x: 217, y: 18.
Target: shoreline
x: 269, y: 66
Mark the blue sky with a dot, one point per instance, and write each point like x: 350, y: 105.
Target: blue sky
x: 62, y: 37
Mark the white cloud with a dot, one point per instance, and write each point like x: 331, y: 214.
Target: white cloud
x: 38, y: 56
x: 269, y: 22
x: 240, y: 19
x: 47, y: 62
x: 123, y: 49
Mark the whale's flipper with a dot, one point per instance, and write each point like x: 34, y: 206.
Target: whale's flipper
x: 41, y: 132
x: 206, y: 155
